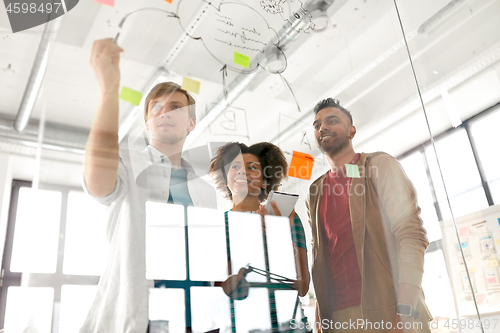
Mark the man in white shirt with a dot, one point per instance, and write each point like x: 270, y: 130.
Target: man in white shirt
x: 125, y: 180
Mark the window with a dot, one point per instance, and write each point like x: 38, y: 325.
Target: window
x: 487, y: 137
x: 460, y: 174
x: 57, y: 235
x: 36, y: 231
x: 414, y: 167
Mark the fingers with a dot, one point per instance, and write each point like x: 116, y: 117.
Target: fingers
x: 105, y: 48
x: 275, y: 208
x: 262, y: 210
x: 232, y: 281
x: 240, y: 273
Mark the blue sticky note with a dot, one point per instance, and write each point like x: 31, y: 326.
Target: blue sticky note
x: 499, y: 221
x: 352, y: 171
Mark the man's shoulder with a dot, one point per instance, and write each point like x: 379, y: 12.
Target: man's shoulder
x: 378, y: 157
x: 318, y: 180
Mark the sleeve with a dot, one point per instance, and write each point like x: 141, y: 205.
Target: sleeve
x: 308, y: 209
x: 298, y: 234
x: 119, y: 190
x: 398, y: 201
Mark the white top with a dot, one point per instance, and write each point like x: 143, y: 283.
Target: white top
x: 121, y: 302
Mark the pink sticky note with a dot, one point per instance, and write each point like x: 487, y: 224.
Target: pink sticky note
x: 492, y: 280
x: 106, y: 2
x: 481, y: 299
x: 464, y: 231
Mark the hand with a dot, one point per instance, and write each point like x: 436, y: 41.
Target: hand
x: 105, y: 60
x: 232, y: 282
x: 262, y: 211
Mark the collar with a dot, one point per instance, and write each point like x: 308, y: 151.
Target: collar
x: 158, y: 157
x: 154, y: 154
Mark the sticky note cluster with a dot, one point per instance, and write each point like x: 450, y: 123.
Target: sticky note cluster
x: 301, y: 166
x: 130, y: 95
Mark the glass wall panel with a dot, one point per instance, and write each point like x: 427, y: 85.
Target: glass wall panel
x: 85, y: 245
x: 486, y: 138
x: 460, y: 174
x: 37, y: 231
x: 29, y: 309
x: 410, y: 73
x: 75, y: 304
x: 453, y: 47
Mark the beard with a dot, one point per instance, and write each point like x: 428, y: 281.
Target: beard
x: 335, y: 147
x: 167, y: 138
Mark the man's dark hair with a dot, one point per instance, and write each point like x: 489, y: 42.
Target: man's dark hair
x: 332, y: 103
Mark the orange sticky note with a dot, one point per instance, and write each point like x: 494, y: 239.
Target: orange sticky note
x: 169, y: 1
x: 301, y: 166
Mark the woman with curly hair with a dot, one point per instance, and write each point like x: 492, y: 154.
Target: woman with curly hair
x: 246, y: 175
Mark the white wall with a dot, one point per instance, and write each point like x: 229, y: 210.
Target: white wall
x: 469, y: 98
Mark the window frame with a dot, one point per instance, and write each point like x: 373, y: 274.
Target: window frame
x: 56, y: 280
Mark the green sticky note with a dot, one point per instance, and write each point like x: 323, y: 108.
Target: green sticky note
x: 352, y: 171
x: 241, y: 60
x: 130, y: 95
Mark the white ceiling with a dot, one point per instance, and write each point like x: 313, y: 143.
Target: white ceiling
x: 360, y: 59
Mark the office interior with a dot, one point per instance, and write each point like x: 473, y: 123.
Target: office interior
x: 421, y: 78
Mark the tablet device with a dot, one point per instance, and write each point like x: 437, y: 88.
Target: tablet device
x: 284, y: 201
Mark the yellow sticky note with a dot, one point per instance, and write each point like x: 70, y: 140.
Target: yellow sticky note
x: 352, y: 171
x: 497, y: 241
x: 241, y: 60
x: 493, y: 262
x: 130, y: 95
x: 190, y: 85
x: 301, y: 166
x: 472, y: 269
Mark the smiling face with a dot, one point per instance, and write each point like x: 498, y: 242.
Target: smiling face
x: 168, y: 118
x: 332, y: 130
x: 244, y: 176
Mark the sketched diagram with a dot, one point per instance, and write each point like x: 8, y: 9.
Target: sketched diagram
x: 235, y: 34
x: 291, y: 11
